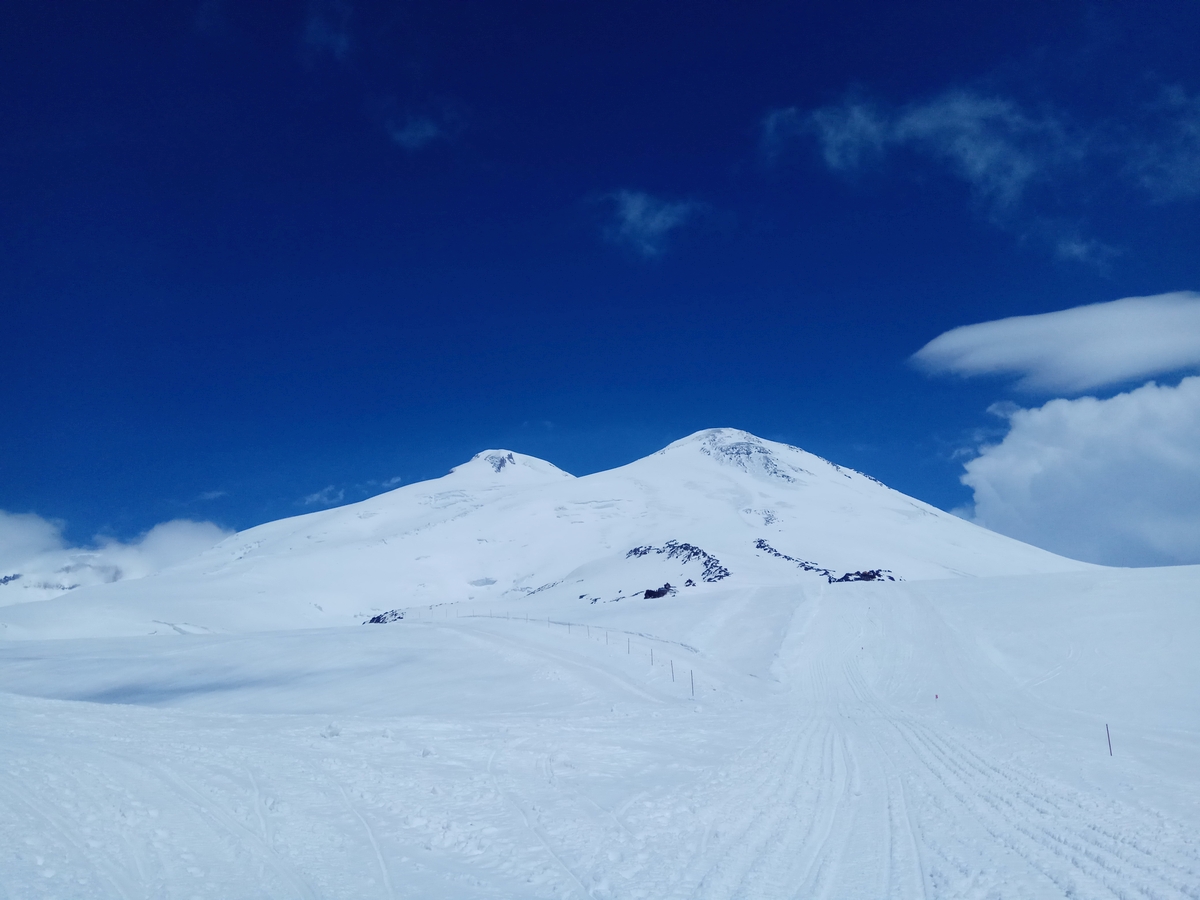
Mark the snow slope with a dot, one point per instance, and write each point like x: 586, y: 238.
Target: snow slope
x: 719, y: 507
x: 499, y: 757
x: 770, y: 734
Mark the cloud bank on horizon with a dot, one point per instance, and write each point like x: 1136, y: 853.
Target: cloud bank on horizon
x: 35, y: 557
x: 1110, y: 480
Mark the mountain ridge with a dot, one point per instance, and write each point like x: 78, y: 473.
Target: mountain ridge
x: 504, y: 526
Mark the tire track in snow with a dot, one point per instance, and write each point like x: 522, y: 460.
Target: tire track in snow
x: 1043, y: 829
x: 383, y: 870
x: 515, y: 802
x: 1048, y: 820
x: 118, y: 880
x: 229, y: 824
x: 905, y: 873
x: 762, y: 811
x: 802, y: 811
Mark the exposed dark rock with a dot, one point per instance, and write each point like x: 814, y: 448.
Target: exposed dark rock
x: 748, y: 456
x: 392, y: 615
x: 686, y: 553
x: 864, y: 575
x: 499, y: 461
x: 800, y: 563
x: 868, y: 575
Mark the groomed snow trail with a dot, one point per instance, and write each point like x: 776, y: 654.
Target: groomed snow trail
x: 854, y: 795
x: 536, y: 762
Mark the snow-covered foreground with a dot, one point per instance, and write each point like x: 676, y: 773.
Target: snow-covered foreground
x: 478, y: 750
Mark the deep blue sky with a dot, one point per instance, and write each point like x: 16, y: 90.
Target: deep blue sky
x: 252, y: 251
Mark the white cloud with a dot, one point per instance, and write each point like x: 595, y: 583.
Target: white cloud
x: 1114, y: 481
x: 25, y: 535
x: 34, y: 549
x: 643, y: 222
x: 327, y: 496
x: 1077, y: 349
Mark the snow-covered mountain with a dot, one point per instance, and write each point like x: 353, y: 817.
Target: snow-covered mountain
x: 781, y: 721
x: 721, y: 507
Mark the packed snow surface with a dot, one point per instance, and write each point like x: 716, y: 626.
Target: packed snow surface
x: 551, y: 710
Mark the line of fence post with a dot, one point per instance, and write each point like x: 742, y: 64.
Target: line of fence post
x: 629, y: 651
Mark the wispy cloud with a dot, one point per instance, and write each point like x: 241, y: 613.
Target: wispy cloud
x: 644, y: 223
x: 327, y: 496
x: 1021, y: 164
x: 1076, y: 248
x: 213, y: 495
x: 326, y: 29
x: 1077, y: 349
x: 1168, y: 164
x: 415, y: 129
x: 991, y: 143
x: 415, y: 132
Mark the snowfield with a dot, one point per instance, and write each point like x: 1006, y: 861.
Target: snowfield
x: 529, y: 723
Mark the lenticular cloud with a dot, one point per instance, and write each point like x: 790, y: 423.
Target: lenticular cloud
x: 1078, y: 349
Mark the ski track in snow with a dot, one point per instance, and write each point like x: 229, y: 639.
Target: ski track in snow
x: 834, y: 783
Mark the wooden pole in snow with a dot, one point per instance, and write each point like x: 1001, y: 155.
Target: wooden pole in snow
x: 692, y: 675
x: 1108, y: 735
x: 672, y: 671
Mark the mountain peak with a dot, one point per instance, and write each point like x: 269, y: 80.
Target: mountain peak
x: 742, y: 450
x: 508, y: 465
